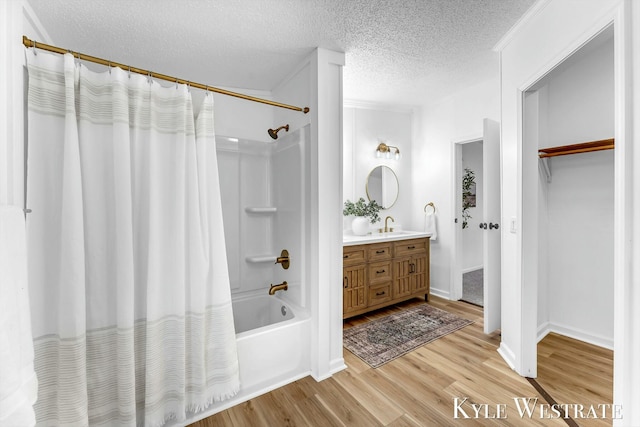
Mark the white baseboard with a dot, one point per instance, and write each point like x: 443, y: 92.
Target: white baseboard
x: 507, y: 355
x: 439, y: 293
x: 337, y: 365
x: 578, y: 334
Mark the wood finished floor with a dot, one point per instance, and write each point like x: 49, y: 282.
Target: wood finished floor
x: 418, y: 389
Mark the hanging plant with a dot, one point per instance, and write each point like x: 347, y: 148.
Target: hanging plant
x: 468, y: 195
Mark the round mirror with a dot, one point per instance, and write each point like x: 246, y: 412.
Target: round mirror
x: 382, y: 186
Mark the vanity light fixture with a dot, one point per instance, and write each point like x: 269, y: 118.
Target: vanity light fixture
x: 387, y: 151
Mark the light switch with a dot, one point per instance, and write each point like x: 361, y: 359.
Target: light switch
x: 512, y: 224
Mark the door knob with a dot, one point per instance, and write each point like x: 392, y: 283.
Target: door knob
x: 483, y: 225
x: 492, y: 226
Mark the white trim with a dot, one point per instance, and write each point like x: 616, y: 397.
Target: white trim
x: 575, y: 333
x: 626, y: 383
x: 584, y: 39
x: 439, y: 293
x: 507, y: 355
x: 524, y: 20
x: 337, y: 365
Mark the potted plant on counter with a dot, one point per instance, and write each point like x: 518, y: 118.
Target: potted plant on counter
x: 364, y: 213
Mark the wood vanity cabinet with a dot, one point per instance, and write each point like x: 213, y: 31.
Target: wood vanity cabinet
x: 379, y: 274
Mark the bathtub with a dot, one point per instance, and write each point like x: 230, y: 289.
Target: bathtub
x: 252, y: 314
x: 273, y: 348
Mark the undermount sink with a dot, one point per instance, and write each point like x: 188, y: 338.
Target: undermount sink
x: 351, y: 239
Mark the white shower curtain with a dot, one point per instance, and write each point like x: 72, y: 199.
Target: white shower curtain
x: 130, y: 298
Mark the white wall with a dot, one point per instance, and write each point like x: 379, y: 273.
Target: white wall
x: 364, y: 127
x: 473, y: 235
x: 576, y: 284
x: 16, y: 19
x: 552, y: 31
x: 457, y: 118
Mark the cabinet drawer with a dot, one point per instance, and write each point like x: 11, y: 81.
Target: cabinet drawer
x: 379, y: 294
x: 380, y: 251
x: 380, y: 271
x: 352, y: 255
x: 410, y: 247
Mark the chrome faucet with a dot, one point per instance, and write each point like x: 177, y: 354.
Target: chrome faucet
x: 274, y: 288
x: 387, y: 229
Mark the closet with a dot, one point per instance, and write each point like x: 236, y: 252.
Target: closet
x: 570, y: 114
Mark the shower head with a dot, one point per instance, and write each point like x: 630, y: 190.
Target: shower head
x: 273, y: 133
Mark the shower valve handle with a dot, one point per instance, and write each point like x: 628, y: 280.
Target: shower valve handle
x: 283, y: 259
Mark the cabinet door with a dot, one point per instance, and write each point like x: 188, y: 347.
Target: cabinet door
x: 403, y: 269
x: 410, y: 276
x: 420, y: 273
x: 354, y: 291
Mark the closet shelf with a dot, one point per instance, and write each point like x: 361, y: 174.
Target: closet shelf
x: 265, y: 210
x: 584, y: 147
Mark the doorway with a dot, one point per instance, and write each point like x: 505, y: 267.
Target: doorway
x: 568, y: 176
x: 477, y: 235
x: 471, y: 196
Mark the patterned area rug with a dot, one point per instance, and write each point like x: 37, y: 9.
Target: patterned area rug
x: 387, y: 338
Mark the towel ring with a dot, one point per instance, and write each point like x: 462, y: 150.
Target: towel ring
x: 432, y: 206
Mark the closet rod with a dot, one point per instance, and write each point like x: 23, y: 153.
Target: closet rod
x: 584, y: 147
x: 81, y: 56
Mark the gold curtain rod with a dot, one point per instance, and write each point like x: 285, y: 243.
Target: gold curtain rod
x: 81, y: 56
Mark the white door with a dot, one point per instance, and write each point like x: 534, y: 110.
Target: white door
x: 491, y: 217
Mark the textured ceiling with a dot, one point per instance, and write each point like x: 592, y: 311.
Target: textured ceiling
x: 398, y: 52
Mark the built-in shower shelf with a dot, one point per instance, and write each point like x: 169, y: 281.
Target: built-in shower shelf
x: 258, y: 259
x: 264, y: 210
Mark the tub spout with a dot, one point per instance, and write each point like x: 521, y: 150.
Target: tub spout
x: 274, y: 288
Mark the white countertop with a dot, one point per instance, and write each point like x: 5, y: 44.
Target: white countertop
x: 351, y: 240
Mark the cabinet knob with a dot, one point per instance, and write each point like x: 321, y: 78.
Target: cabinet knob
x: 379, y: 293
x: 380, y: 252
x: 411, y: 247
x: 380, y: 271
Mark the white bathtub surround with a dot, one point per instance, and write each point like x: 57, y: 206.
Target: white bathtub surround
x: 18, y: 382
x: 262, y: 202
x: 130, y: 295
